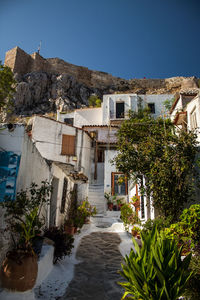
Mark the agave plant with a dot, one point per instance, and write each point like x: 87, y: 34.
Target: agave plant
x: 155, y: 271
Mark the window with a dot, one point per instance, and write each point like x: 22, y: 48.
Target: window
x: 69, y: 121
x: 64, y: 194
x: 119, y: 110
x: 68, y: 145
x: 119, y: 188
x: 100, y: 155
x: 193, y: 119
x: 151, y: 107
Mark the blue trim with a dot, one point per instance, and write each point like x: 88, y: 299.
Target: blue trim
x: 9, y: 167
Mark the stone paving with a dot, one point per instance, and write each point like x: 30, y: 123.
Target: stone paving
x: 96, y: 276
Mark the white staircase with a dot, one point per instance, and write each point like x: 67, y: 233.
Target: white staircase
x: 96, y: 197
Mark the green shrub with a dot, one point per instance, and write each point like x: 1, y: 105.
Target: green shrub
x: 128, y: 216
x: 63, y: 242
x: 193, y: 286
x: 187, y: 231
x: 155, y: 271
x: 159, y: 222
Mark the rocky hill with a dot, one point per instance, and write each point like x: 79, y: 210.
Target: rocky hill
x: 44, y: 85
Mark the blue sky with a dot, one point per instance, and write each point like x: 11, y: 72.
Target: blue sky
x: 127, y: 38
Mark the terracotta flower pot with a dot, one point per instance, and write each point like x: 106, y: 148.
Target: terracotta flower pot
x: 70, y: 229
x: 110, y: 206
x: 134, y: 232
x: 136, y: 203
x: 19, y: 275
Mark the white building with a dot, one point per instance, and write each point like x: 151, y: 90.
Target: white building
x: 102, y: 124
x: 185, y: 111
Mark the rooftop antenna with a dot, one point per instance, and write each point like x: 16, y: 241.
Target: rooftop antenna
x: 39, y: 47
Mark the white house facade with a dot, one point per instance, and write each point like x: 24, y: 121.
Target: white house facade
x: 102, y: 125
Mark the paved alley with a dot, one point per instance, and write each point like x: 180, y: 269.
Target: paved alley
x: 96, y: 275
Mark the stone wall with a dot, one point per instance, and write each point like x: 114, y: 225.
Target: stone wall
x: 18, y: 60
x: 21, y: 62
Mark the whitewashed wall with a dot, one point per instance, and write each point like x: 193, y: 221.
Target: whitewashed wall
x: 33, y: 167
x: 12, y: 140
x: 194, y: 104
x: 106, y: 134
x: 131, y: 103
x: 178, y: 107
x: 109, y: 168
x: 47, y: 136
x: 85, y: 151
x: 61, y: 116
x: 85, y: 116
x: 159, y: 102
x: 58, y: 173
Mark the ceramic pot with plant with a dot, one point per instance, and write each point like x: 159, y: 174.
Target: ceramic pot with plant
x: 135, y: 201
x: 119, y: 203
x: 21, y: 259
x: 24, y: 223
x: 109, y: 201
x: 136, y: 232
x: 84, y: 212
x: 70, y: 227
x: 110, y: 205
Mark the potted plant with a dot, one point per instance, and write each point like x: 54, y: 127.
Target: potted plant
x: 24, y: 223
x: 70, y: 226
x: 114, y: 199
x: 78, y: 216
x: 63, y: 242
x: 135, y: 201
x: 70, y: 222
x: 136, y: 231
x: 119, y: 203
x: 109, y: 201
x: 84, y: 212
x: 110, y: 205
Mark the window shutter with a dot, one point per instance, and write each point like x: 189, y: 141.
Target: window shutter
x: 68, y: 145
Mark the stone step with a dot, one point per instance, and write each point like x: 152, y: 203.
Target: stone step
x: 97, y: 198
x: 96, y: 190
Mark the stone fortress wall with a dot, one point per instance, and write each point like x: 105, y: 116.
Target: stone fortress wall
x: 21, y: 62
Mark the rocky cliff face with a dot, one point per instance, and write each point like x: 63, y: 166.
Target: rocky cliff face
x: 44, y: 85
x: 41, y: 92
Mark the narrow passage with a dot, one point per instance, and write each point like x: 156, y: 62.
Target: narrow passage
x: 96, y: 276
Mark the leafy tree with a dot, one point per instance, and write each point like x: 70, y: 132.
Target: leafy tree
x: 94, y: 101
x: 150, y: 147
x: 7, y: 87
